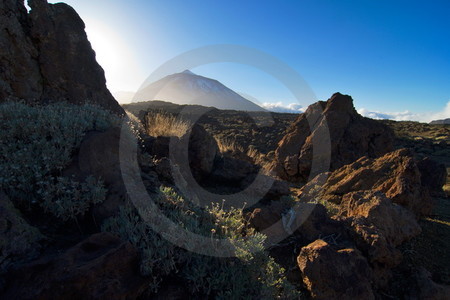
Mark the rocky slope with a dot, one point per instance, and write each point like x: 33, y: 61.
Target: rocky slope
x: 45, y: 56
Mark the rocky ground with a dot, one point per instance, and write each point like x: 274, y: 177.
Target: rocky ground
x: 357, y: 197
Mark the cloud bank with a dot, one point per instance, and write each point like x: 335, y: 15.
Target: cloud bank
x: 407, y: 115
x: 279, y: 107
x: 397, y: 116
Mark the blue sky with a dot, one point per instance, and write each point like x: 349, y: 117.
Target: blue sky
x: 391, y: 56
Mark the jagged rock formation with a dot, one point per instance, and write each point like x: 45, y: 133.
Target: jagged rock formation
x: 377, y: 201
x: 395, y: 174
x: 331, y: 134
x: 45, y: 56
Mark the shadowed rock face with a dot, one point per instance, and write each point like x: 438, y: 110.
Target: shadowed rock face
x: 45, y: 56
x: 332, y: 134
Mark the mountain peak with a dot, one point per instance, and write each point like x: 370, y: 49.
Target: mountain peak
x: 189, y: 88
x: 188, y: 72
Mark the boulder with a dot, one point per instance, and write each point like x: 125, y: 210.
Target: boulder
x: 100, y: 267
x: 378, y: 225
x: 433, y: 175
x: 395, y: 174
x: 100, y: 155
x: 202, y: 151
x: 330, y: 273
x: 45, y: 56
x: 228, y: 169
x: 332, y: 134
x: 18, y: 240
x: 307, y: 221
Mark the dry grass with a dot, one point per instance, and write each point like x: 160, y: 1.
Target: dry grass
x: 228, y: 145
x: 161, y: 123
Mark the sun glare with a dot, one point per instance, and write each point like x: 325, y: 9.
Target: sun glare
x: 114, y: 57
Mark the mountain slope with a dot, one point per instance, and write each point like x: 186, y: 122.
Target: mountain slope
x: 189, y: 88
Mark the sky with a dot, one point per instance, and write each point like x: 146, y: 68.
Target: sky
x: 392, y: 57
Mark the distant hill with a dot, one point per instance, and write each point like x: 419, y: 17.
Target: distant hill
x: 440, y: 122
x: 189, y: 88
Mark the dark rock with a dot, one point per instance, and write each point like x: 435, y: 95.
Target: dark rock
x: 335, y: 274
x: 307, y: 221
x: 202, y: 151
x: 18, y: 240
x: 46, y: 57
x: 433, y: 176
x: 100, y: 267
x: 100, y: 155
x: 233, y: 170
x: 332, y: 134
x: 427, y: 288
x: 159, y: 146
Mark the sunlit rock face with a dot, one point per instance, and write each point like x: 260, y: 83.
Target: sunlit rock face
x: 45, y: 56
x: 331, y: 134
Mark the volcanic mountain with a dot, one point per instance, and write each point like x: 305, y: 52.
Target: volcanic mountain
x: 189, y: 88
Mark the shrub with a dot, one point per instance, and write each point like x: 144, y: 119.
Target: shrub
x: 227, y: 145
x: 37, y: 143
x: 251, y: 274
x: 160, y: 123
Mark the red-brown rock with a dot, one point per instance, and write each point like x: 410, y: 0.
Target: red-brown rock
x: 395, y: 174
x: 378, y: 225
x: 329, y: 273
x: 332, y: 134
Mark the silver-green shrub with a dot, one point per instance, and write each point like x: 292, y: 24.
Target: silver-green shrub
x: 37, y: 143
x: 252, y: 274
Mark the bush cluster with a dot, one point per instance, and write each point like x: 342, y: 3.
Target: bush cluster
x: 251, y: 274
x: 37, y: 143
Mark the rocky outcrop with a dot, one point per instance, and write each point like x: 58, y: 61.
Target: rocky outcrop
x: 378, y: 225
x: 332, y: 134
x: 100, y: 267
x: 330, y: 273
x: 45, y: 56
x: 378, y: 200
x: 395, y: 174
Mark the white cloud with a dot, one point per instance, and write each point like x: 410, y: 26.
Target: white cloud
x: 407, y: 115
x: 283, y: 108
